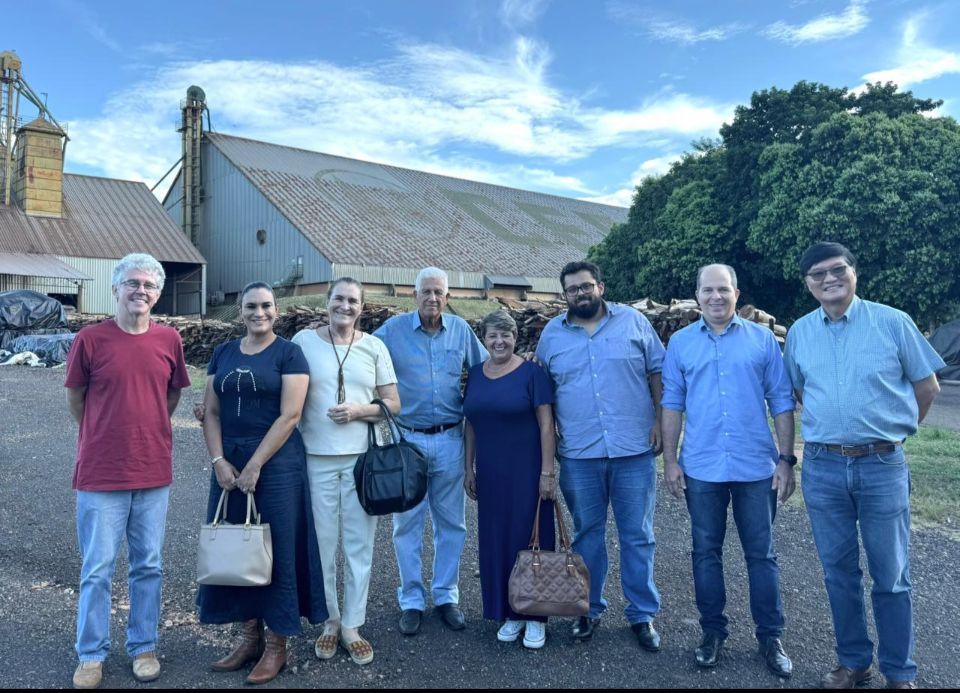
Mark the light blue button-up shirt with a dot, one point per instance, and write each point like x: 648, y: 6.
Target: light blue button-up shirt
x: 604, y: 407
x: 856, y: 374
x: 429, y: 366
x: 725, y: 383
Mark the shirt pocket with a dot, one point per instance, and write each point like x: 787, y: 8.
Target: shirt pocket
x: 453, y: 362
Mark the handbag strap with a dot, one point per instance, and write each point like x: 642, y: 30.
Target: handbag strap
x: 561, y: 528
x: 221, y: 507
x: 251, y: 511
x: 391, y: 422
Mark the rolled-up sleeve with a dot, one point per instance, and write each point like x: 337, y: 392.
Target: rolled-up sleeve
x: 790, y: 361
x: 653, y: 351
x: 918, y: 358
x: 777, y: 387
x: 674, y: 381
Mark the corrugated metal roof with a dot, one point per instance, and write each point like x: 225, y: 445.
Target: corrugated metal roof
x: 25, y: 265
x: 102, y: 218
x: 357, y: 212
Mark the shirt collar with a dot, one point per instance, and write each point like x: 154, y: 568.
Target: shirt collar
x: 418, y: 324
x: 611, y: 309
x: 849, y: 315
x: 737, y: 320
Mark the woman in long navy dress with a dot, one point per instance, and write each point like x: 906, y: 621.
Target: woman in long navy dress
x: 509, y: 449
x: 255, y: 392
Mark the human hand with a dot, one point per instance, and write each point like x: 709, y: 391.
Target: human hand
x: 199, y: 411
x: 226, y: 474
x: 784, y: 481
x: 531, y: 356
x: 470, y: 485
x: 548, y: 487
x: 656, y: 439
x: 247, y: 481
x: 673, y: 479
x: 344, y: 413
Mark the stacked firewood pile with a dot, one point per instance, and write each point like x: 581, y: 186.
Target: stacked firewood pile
x: 201, y: 337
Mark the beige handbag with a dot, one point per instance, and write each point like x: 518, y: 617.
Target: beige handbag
x: 549, y: 583
x: 235, y: 555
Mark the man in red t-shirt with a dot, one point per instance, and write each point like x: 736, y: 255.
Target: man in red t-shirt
x: 123, y: 383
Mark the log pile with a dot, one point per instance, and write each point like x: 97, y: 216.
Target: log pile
x: 201, y: 337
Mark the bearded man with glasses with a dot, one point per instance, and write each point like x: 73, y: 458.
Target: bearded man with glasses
x: 605, y: 361
x: 866, y: 378
x: 123, y: 382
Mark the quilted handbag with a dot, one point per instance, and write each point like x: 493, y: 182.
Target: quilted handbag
x: 549, y: 583
x: 390, y: 478
x: 235, y: 555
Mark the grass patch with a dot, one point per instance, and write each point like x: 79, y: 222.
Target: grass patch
x: 934, y: 458
x: 198, y: 378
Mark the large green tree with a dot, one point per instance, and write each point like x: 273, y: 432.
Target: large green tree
x: 813, y: 163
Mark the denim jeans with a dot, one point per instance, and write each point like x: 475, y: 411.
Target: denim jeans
x: 754, y: 509
x: 874, y: 491
x: 445, y: 500
x: 629, y: 484
x: 103, y: 519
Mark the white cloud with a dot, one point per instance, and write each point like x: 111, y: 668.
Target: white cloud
x: 86, y: 19
x: 826, y: 27
x: 917, y: 61
x: 430, y: 107
x: 681, y: 32
x: 651, y: 167
x: 517, y: 14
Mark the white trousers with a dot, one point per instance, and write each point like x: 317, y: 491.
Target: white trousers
x: 336, y: 508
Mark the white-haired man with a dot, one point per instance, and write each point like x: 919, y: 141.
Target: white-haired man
x: 430, y: 350
x: 123, y: 383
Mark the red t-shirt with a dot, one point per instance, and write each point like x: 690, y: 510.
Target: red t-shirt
x: 126, y: 440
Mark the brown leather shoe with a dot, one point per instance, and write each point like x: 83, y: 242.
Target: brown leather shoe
x: 841, y: 677
x: 273, y: 660
x: 906, y: 685
x: 249, y: 648
x: 88, y: 675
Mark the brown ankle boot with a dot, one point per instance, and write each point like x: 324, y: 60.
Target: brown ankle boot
x: 249, y: 648
x: 273, y: 660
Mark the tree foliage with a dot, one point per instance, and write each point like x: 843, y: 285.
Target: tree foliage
x: 868, y: 170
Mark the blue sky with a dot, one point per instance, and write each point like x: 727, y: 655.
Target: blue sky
x: 577, y: 98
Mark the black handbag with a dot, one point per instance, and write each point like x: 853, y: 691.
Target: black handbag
x: 390, y: 478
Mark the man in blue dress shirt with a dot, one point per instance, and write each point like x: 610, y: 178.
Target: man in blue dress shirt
x: 604, y: 360
x: 430, y: 349
x: 725, y: 373
x: 866, y: 378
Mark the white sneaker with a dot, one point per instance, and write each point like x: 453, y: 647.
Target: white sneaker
x: 509, y: 631
x: 535, y: 635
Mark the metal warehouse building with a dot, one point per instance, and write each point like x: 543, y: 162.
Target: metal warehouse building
x: 298, y: 218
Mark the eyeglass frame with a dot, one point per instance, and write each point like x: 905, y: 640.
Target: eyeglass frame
x: 133, y: 285
x: 837, y: 272
x: 574, y: 291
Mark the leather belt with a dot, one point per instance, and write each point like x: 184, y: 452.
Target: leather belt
x: 860, y: 450
x: 440, y: 428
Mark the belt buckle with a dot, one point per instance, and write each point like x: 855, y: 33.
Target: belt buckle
x: 849, y: 450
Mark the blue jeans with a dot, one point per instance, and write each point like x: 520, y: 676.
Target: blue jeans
x: 874, y: 491
x: 445, y: 500
x: 754, y: 509
x: 629, y: 484
x: 103, y: 519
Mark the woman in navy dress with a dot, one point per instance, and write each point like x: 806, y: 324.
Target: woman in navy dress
x: 509, y: 449
x: 255, y: 392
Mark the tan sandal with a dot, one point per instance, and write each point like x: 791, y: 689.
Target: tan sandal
x: 326, y: 645
x: 360, y: 651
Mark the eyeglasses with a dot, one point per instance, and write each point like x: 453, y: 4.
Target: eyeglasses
x: 837, y: 272
x: 133, y: 285
x: 586, y: 288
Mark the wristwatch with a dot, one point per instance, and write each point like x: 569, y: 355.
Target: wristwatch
x: 789, y: 459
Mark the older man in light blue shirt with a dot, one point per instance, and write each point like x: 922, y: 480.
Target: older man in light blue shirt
x: 866, y: 377
x: 430, y: 349
x: 725, y: 373
x: 604, y: 360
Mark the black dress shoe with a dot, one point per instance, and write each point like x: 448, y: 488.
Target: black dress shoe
x: 410, y: 621
x: 647, y: 636
x: 708, y: 654
x: 584, y: 627
x: 777, y: 661
x: 452, y: 616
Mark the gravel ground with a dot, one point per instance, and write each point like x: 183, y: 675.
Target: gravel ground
x: 39, y: 568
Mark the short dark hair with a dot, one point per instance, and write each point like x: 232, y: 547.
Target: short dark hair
x: 825, y: 250
x: 255, y: 285
x: 580, y: 266
x: 345, y: 280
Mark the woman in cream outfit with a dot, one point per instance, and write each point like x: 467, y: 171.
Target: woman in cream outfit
x: 348, y: 369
